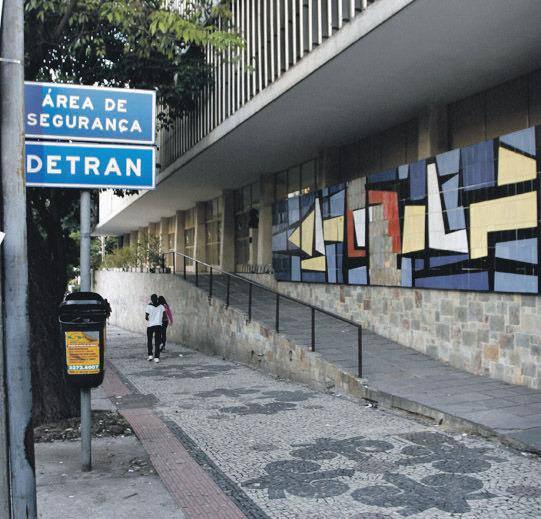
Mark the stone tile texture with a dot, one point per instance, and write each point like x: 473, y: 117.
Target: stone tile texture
x: 285, y: 450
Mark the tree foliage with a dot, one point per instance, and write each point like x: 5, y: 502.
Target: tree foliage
x: 144, y: 44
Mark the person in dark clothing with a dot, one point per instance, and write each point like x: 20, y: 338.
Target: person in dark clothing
x: 154, y: 316
x: 167, y: 319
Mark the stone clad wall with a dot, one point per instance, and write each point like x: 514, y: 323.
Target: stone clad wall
x: 498, y: 335
x: 215, y: 329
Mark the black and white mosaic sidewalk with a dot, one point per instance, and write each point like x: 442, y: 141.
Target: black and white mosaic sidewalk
x: 282, y: 450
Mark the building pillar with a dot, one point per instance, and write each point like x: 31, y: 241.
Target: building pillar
x: 433, y: 131
x: 126, y: 240
x: 180, y: 240
x: 133, y: 238
x: 227, y: 232
x: 264, y: 234
x: 164, y: 234
x: 329, y: 173
x: 200, y: 239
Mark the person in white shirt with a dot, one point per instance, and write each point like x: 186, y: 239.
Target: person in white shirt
x: 154, y: 317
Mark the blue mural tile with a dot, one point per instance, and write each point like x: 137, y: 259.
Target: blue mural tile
x: 330, y: 252
x: 438, y: 261
x: 313, y: 277
x: 518, y: 250
x: 282, y: 267
x: 523, y: 140
x: 293, y: 210
x: 383, y: 176
x: 336, y: 188
x: 456, y: 219
x: 337, y: 204
x: 469, y: 281
x: 406, y: 272
x: 419, y: 264
x: 450, y: 192
x: 507, y: 282
x: 307, y: 204
x: 478, y: 165
x: 279, y: 242
x: 403, y: 172
x: 358, y: 276
x: 339, y: 262
x: 418, y: 180
x: 448, y: 162
x: 295, y: 268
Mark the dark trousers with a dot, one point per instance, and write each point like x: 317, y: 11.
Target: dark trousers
x: 164, y: 334
x: 156, y: 333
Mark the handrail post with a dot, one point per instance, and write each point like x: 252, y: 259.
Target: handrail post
x: 250, y: 302
x: 210, y: 286
x: 174, y: 263
x: 196, y: 273
x: 227, y: 295
x: 277, y: 317
x: 313, y: 348
x: 162, y: 261
x: 184, y: 267
x: 360, y: 350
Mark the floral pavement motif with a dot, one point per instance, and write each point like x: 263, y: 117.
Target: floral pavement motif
x: 449, y: 489
x: 300, y: 478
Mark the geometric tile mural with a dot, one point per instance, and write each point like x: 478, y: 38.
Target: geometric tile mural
x: 467, y: 219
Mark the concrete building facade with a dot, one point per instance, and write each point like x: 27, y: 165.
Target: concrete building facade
x: 379, y: 159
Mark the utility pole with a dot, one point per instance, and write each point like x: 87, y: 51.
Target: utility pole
x: 15, y: 265
x: 84, y: 267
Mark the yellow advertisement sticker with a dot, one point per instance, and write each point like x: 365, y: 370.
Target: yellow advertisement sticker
x: 83, y: 352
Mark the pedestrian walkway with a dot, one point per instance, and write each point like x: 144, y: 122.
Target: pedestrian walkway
x: 229, y: 441
x: 413, y: 380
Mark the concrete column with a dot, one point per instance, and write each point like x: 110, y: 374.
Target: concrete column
x: 329, y: 168
x: 200, y: 245
x: 433, y: 131
x: 227, y: 232
x: 179, y: 240
x: 164, y: 234
x: 264, y: 235
x: 142, y: 235
x: 133, y: 238
x: 126, y: 240
x: 252, y: 250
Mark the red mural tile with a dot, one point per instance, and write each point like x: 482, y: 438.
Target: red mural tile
x: 389, y: 199
x: 352, y: 251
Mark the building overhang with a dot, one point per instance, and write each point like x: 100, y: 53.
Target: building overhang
x: 387, y: 65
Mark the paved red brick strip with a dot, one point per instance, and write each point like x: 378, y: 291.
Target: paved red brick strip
x: 192, y: 488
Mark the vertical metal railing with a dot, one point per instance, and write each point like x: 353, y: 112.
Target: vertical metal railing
x: 278, y: 33
x: 197, y: 265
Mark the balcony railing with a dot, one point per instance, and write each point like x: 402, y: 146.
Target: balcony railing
x: 278, y: 34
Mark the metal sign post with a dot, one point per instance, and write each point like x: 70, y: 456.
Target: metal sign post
x: 84, y: 267
x: 108, y: 136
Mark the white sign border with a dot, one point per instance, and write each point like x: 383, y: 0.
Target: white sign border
x: 152, y: 93
x: 93, y: 186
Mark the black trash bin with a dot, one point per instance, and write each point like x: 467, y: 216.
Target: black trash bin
x: 83, y: 318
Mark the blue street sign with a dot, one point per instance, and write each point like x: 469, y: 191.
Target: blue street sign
x: 89, y: 166
x: 86, y: 113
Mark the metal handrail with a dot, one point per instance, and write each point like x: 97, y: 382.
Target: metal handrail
x: 251, y: 284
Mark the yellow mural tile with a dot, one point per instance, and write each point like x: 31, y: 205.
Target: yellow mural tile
x: 414, y: 228
x: 514, y: 167
x: 500, y: 214
x: 314, y: 264
x: 295, y: 237
x: 307, y: 240
x: 333, y: 229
